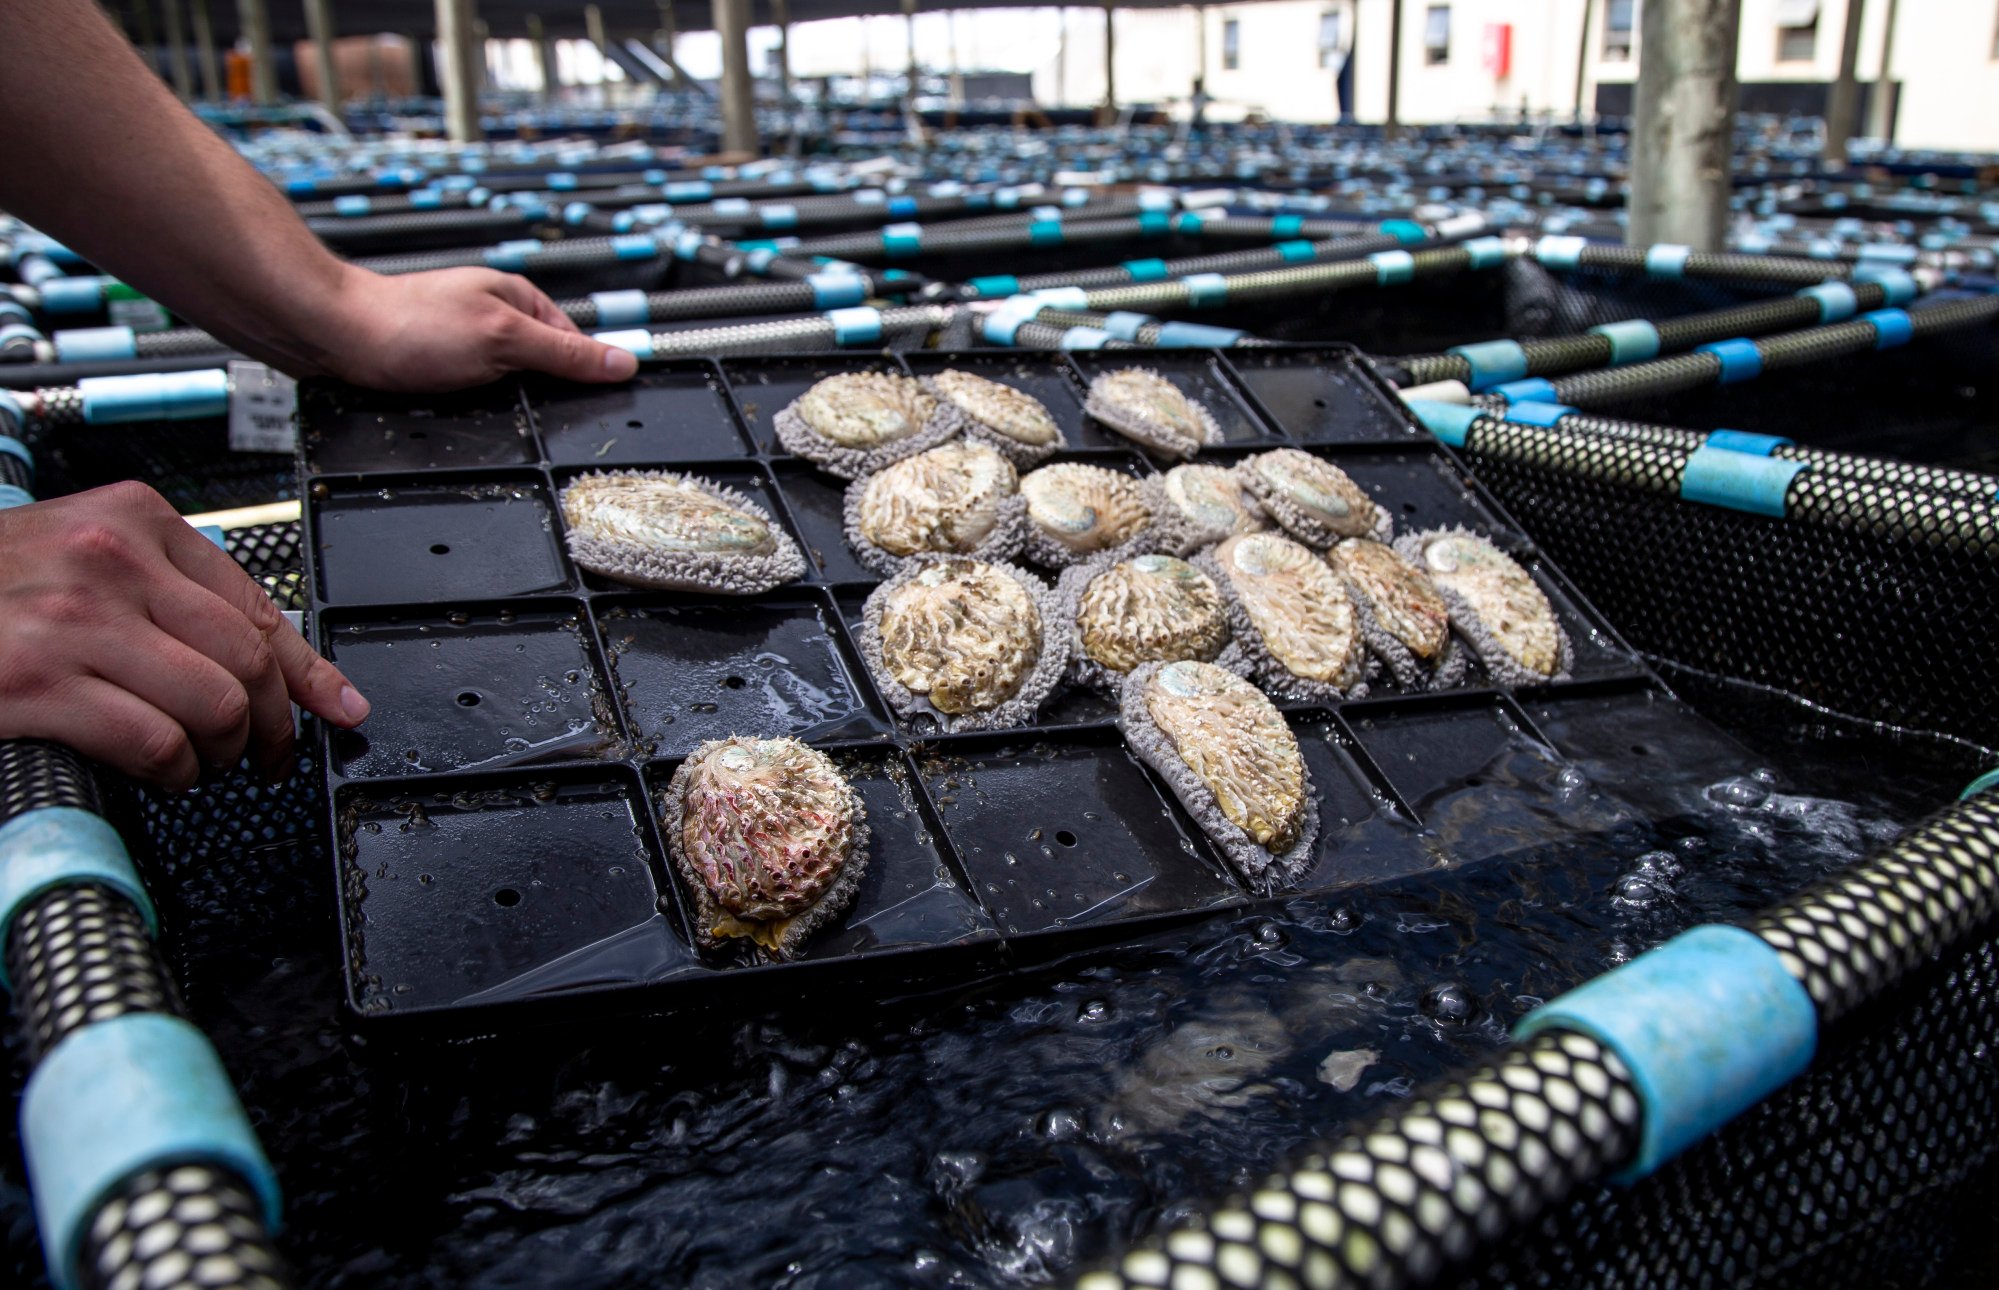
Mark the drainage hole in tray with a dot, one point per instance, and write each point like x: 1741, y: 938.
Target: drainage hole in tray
x: 1408, y: 508
x: 468, y: 698
x: 1065, y: 837
x: 419, y: 434
x: 439, y: 548
x: 733, y: 682
x: 1318, y: 403
x: 635, y: 425
x: 507, y: 897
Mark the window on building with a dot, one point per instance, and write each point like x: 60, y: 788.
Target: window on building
x: 1797, y: 30
x: 1231, y: 45
x: 1332, y: 37
x: 1437, y: 34
x: 1619, y: 17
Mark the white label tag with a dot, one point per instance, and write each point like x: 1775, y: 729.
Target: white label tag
x: 139, y: 315
x: 263, y: 407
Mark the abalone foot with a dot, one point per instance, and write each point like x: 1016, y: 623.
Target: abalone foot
x: 1411, y: 673
x: 1262, y: 870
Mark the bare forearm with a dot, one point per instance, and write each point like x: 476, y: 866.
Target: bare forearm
x: 102, y: 156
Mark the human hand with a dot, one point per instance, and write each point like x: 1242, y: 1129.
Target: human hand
x: 424, y: 332
x: 131, y: 638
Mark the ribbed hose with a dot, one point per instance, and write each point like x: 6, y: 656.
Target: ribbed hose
x: 1274, y: 284
x: 1725, y: 265
x: 394, y: 204
x: 792, y: 335
x: 77, y: 956
x: 1956, y: 520
x: 462, y: 227
x: 949, y: 240
x: 711, y: 302
x: 1877, y: 470
x: 1346, y: 248
x: 422, y: 261
x: 15, y: 473
x: 60, y: 405
x: 176, y: 343
x: 1040, y: 335
x: 1549, y: 356
x: 1417, y: 1192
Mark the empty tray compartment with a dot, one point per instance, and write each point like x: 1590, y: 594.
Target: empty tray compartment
x: 436, y: 542
x: 349, y: 431
x: 475, y: 895
x: 470, y: 689
x: 688, y: 671
x: 1322, y: 397
x: 678, y: 412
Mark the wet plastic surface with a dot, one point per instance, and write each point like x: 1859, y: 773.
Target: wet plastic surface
x: 499, y: 671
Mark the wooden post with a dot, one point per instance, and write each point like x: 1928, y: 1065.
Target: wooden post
x: 1683, y: 135
x: 1881, y: 108
x: 177, y: 70
x: 739, y: 104
x: 1842, y: 102
x: 457, y: 21
x: 256, y: 23
x: 319, y: 22
x: 1393, y: 125
x: 204, y: 53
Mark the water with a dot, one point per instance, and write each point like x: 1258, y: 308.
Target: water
x: 1001, y: 1134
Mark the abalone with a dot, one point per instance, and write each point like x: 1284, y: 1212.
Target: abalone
x: 1145, y: 407
x: 1075, y: 512
x: 960, y: 498
x: 970, y: 644
x: 769, y: 837
x: 1211, y: 503
x: 1291, y: 616
x: 1146, y: 609
x: 1016, y: 423
x: 1231, y: 759
x: 1403, y: 617
x: 855, y: 423
x: 654, y: 528
x: 1495, y: 603
x: 1312, y: 499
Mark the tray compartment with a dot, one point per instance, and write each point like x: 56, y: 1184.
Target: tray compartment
x: 1322, y: 396
x: 912, y: 896
x: 1044, y: 376
x: 473, y: 688
x: 688, y: 670
x: 676, y: 412
x: 1066, y: 831
x: 816, y: 502
x: 426, y: 542
x: 760, y: 387
x: 499, y: 890
x: 746, y: 477
x: 1199, y: 374
x: 351, y: 432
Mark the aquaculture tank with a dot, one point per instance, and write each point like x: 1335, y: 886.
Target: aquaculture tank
x: 1669, y: 965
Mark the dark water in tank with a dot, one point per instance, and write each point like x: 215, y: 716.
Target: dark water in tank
x: 1007, y: 1133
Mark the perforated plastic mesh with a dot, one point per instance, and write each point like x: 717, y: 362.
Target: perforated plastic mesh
x: 186, y: 1228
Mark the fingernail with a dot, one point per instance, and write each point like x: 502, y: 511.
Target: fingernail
x: 620, y: 363
x: 353, y: 705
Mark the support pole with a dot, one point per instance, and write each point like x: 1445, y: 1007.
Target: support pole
x: 255, y: 20
x: 1682, y: 139
x: 1583, y: 59
x: 957, y: 68
x: 204, y: 53
x: 739, y: 105
x: 909, y: 82
x: 1843, y: 100
x: 319, y: 22
x: 1881, y: 108
x: 780, y: 13
x: 1062, y: 61
x: 668, y: 38
x: 1392, y: 126
x: 544, y: 54
x: 177, y: 70
x: 1110, y: 59
x: 593, y: 27
x: 459, y: 75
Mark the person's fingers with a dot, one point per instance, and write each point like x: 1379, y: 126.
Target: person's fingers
x: 538, y: 347
x: 531, y: 300
x: 192, y: 688
x: 117, y: 728
x: 315, y: 684
x: 207, y: 624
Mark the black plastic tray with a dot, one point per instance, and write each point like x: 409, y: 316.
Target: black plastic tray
x: 496, y: 825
